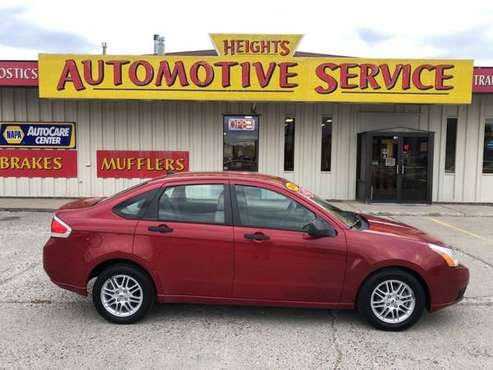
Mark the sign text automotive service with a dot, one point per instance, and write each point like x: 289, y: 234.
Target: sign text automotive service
x: 249, y: 68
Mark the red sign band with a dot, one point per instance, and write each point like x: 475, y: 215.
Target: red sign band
x: 25, y: 73
x: 482, y: 81
x: 14, y: 73
x: 38, y: 163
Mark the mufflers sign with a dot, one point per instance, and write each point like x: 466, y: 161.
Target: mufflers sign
x: 140, y: 163
x: 249, y: 68
x: 37, y: 135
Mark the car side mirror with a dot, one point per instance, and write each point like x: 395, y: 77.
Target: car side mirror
x: 319, y: 228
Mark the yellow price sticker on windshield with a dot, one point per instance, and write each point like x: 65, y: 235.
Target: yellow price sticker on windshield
x: 292, y: 186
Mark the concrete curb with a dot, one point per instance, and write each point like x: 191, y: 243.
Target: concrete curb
x: 8, y: 209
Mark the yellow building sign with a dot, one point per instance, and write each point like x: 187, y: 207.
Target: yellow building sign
x: 254, y: 44
x: 255, y: 76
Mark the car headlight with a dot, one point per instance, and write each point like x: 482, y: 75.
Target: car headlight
x: 448, y: 254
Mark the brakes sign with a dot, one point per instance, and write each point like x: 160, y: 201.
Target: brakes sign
x: 37, y: 135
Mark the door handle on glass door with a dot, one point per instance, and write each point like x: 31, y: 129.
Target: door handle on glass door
x: 257, y: 236
x: 160, y: 229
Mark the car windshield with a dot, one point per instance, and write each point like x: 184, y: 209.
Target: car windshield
x: 351, y: 219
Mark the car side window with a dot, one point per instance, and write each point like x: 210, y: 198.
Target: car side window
x: 203, y: 203
x: 134, y: 207
x: 259, y: 207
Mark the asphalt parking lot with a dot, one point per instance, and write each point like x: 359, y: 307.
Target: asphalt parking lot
x: 43, y: 326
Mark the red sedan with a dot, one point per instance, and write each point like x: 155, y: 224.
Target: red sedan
x: 237, y: 238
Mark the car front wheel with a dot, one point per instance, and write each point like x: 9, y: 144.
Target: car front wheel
x: 392, y: 299
x: 123, y: 294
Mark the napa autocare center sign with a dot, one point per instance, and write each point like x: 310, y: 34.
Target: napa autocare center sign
x: 255, y: 68
x: 37, y: 135
x: 24, y: 153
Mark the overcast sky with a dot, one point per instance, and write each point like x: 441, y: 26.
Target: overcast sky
x: 392, y: 29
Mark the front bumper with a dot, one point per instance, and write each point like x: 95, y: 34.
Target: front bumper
x: 448, y: 287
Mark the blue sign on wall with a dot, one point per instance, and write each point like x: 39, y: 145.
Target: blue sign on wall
x: 37, y: 135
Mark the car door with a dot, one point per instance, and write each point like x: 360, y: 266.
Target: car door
x: 274, y: 258
x: 189, y: 240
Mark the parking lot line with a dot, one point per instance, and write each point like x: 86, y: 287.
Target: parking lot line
x: 461, y: 230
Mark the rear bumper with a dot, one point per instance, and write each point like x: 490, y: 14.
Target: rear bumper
x: 62, y: 263
x: 449, y: 287
x: 77, y: 289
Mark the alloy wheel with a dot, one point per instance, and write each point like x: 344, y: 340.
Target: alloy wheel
x: 392, y: 301
x: 121, y: 295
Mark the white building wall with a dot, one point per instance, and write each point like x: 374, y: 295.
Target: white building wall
x: 197, y: 127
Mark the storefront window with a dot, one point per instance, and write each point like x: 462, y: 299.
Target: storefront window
x: 488, y: 147
x: 450, y: 145
x: 289, y: 144
x: 326, y: 143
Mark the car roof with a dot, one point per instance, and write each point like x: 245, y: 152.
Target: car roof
x: 226, y: 175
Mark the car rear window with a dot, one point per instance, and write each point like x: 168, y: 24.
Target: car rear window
x: 135, y: 207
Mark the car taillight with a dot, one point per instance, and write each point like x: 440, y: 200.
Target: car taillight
x: 59, y: 229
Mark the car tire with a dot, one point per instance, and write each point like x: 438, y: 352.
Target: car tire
x: 392, y: 299
x: 123, y: 293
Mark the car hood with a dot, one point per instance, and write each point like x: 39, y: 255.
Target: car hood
x: 388, y: 227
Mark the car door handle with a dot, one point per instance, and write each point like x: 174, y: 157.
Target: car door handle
x: 160, y: 229
x: 257, y: 236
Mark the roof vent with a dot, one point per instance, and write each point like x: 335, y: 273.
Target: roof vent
x: 158, y: 45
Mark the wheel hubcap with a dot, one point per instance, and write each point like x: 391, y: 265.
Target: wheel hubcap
x: 393, y: 301
x: 121, y: 295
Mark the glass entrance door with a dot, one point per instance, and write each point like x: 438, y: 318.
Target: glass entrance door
x: 400, y: 167
x: 383, y: 168
x: 414, y: 168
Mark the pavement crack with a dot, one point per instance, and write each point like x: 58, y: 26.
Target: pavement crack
x: 485, y: 301
x: 490, y: 265
x: 337, y: 364
x: 30, y: 301
x: 18, y: 273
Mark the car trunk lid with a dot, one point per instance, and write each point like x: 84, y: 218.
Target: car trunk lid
x: 81, y: 203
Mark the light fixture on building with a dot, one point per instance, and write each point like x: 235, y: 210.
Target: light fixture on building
x: 253, y: 109
x: 104, y: 46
